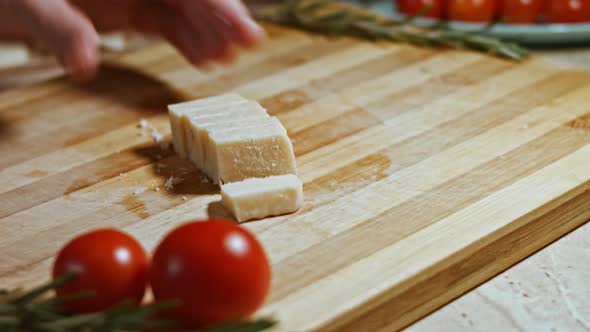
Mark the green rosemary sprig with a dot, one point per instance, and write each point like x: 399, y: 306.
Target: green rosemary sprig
x: 336, y: 18
x: 36, y: 311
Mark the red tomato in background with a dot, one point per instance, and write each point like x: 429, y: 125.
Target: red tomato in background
x: 413, y: 7
x: 216, y: 269
x: 109, y: 263
x: 567, y: 11
x: 471, y: 10
x: 520, y: 11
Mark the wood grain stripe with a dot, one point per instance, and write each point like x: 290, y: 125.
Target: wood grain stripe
x: 286, y: 238
x: 331, y: 131
x: 338, y: 124
x: 115, y: 171
x: 354, y: 176
x: 74, y: 179
x: 453, y: 281
x: 12, y: 98
x: 367, y: 70
x: 334, y: 104
x: 411, y: 123
x: 402, y: 220
x: 110, y: 143
x: 317, y: 69
x: 272, y: 66
x: 78, y: 214
x: 103, y: 86
x: 434, y: 246
x: 80, y: 129
x: 119, y: 212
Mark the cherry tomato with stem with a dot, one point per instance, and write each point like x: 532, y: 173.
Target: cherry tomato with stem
x: 414, y: 7
x: 520, y: 11
x: 110, y: 265
x: 477, y: 11
x: 567, y: 11
x: 215, y: 269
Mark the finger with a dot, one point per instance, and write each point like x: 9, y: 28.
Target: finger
x: 211, y: 43
x: 233, y: 16
x: 65, y: 31
x: 173, y: 26
x: 222, y: 50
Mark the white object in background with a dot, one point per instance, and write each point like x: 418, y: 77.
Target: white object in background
x: 13, y: 54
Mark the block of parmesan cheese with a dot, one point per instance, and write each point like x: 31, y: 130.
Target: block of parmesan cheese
x: 217, y: 110
x: 198, y: 153
x: 258, y: 198
x: 250, y: 152
x: 246, y: 115
x: 178, y: 111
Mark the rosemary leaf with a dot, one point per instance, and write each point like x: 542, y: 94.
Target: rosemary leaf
x: 35, y: 293
x: 254, y: 326
x: 24, y: 311
x: 335, y: 18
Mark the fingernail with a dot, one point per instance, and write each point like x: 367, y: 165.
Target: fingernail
x: 253, y: 25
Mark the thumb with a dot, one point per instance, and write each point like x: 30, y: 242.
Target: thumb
x: 66, y: 32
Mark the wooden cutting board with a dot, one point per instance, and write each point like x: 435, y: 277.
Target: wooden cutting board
x: 426, y: 172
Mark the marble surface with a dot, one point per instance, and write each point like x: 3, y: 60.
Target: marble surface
x: 549, y: 291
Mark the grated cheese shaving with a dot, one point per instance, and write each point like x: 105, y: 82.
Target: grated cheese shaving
x: 139, y: 191
x: 171, y: 182
x: 143, y: 123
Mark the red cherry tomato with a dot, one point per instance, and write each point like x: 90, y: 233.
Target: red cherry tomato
x: 215, y: 269
x: 471, y: 10
x: 568, y: 11
x: 520, y: 11
x: 110, y: 264
x: 413, y: 7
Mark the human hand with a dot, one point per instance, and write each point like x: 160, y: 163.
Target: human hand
x: 203, y: 31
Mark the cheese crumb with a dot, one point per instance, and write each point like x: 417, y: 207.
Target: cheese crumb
x: 143, y: 123
x: 184, y: 198
x: 171, y: 182
x: 157, y: 189
x: 156, y: 135
x: 139, y: 191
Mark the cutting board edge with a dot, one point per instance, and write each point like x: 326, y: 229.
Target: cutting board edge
x: 578, y: 205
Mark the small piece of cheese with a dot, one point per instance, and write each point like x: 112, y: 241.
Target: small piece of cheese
x: 258, y: 198
x: 178, y: 111
x: 251, y: 152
